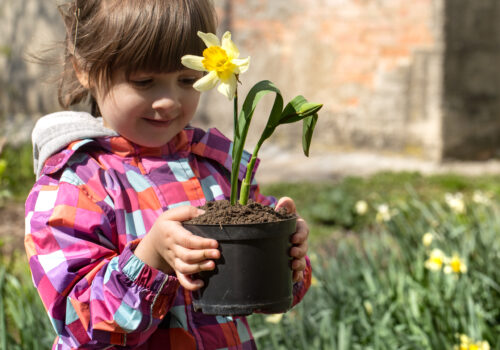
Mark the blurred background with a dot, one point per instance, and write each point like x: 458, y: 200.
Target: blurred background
x: 407, y: 144
x: 416, y: 79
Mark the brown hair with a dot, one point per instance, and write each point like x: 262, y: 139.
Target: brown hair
x: 105, y: 36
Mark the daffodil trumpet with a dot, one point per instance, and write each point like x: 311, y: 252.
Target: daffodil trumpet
x: 222, y: 62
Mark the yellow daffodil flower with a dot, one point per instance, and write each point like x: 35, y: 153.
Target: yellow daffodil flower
x: 220, y: 61
x: 436, y: 260
x: 427, y: 239
x: 276, y: 318
x: 467, y: 343
x: 368, y: 307
x: 455, y: 265
x: 314, y: 281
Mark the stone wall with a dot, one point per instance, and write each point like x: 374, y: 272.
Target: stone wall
x: 471, y: 101
x: 26, y: 28
x: 376, y: 65
x: 408, y: 77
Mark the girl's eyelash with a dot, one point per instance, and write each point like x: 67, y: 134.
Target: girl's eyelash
x: 141, y: 82
x: 188, y: 80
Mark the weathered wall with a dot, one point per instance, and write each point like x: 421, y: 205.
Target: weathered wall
x: 376, y: 65
x: 382, y: 68
x: 472, y: 80
x: 25, y: 25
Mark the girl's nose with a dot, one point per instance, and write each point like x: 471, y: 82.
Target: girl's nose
x: 166, y: 106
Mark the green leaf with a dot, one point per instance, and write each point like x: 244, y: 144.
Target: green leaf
x: 307, y: 132
x: 258, y: 91
x: 298, y: 109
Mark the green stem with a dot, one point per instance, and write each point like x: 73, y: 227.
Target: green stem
x: 235, y: 168
x: 245, y: 185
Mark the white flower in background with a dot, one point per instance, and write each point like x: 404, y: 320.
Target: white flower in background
x: 427, y: 239
x: 275, y: 318
x: 480, y: 197
x: 384, y: 213
x: 436, y: 260
x: 368, y: 307
x: 456, y: 202
x: 361, y: 207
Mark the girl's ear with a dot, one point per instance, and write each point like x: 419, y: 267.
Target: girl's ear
x: 82, y: 76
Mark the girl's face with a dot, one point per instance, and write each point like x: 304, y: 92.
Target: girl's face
x: 149, y: 109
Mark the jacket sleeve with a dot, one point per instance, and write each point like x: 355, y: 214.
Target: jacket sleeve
x: 300, y: 288
x: 95, y: 290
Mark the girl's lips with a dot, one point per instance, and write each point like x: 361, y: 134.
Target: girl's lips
x: 159, y: 123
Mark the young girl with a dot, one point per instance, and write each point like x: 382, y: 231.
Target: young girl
x: 106, y: 246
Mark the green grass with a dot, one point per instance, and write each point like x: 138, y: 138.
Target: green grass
x: 23, y: 321
x: 328, y: 205
x: 16, y: 172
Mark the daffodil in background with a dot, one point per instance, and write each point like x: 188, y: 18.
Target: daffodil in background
x: 222, y: 63
x: 384, y: 213
x: 455, y: 201
x: 455, y: 265
x: 361, y: 207
x: 436, y: 260
x: 466, y: 343
x: 427, y: 239
x: 274, y: 318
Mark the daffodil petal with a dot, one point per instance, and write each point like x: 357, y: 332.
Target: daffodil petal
x: 228, y: 88
x: 229, y: 46
x: 210, y: 39
x: 193, y: 62
x: 242, y: 64
x: 207, y: 82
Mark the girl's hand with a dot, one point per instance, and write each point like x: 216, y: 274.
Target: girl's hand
x: 169, y: 247
x: 299, y: 240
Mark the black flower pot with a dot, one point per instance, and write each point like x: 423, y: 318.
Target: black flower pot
x: 253, y: 272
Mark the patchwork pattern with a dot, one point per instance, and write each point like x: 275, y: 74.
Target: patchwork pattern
x: 86, y: 214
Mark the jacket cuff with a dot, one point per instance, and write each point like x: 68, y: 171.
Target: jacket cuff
x: 144, y: 275
x: 300, y: 288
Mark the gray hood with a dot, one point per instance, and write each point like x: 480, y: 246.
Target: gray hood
x: 55, y: 131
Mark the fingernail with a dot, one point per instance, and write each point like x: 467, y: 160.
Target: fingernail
x: 200, y: 212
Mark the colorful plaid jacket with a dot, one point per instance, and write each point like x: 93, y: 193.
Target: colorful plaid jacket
x: 84, y: 217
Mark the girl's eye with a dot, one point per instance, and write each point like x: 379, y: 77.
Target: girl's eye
x: 188, y: 81
x: 141, y: 83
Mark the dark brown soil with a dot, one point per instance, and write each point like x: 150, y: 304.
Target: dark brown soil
x: 222, y: 213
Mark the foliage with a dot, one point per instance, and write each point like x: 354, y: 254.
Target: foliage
x: 23, y: 321
x: 16, y: 172
x: 375, y: 289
